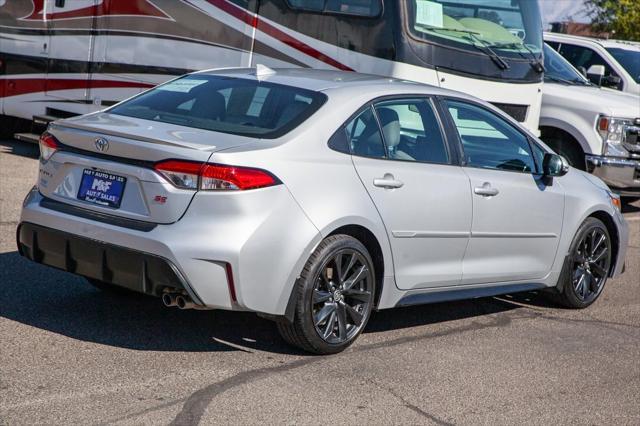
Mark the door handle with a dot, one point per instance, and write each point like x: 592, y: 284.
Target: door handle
x: 388, y: 182
x: 486, y: 190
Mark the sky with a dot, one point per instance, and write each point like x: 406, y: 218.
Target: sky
x: 560, y: 10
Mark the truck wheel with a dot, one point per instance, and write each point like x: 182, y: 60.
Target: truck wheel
x: 587, y: 268
x: 334, y: 297
x: 7, y: 127
x: 569, y: 150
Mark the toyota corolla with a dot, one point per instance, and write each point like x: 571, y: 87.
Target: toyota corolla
x: 315, y: 197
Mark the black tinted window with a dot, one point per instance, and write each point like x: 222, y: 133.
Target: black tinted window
x: 363, y: 136
x: 230, y: 105
x: 554, y: 44
x: 411, y: 131
x: 629, y: 59
x: 348, y: 7
x: 489, y: 141
x: 584, y: 57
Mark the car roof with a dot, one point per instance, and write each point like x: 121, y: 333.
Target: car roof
x: 623, y: 44
x: 323, y: 80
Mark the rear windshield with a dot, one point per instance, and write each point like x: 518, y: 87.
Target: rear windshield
x: 238, y: 106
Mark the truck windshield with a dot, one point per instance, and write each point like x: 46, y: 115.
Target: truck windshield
x: 511, y: 26
x: 240, y: 106
x: 559, y: 69
x: 629, y: 59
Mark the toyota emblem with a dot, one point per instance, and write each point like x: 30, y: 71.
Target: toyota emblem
x: 102, y: 144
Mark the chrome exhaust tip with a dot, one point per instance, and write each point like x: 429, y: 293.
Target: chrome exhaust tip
x: 185, y: 302
x: 169, y: 299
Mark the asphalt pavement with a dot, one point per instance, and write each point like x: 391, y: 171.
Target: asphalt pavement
x: 71, y: 354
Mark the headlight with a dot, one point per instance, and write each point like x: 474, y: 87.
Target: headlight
x: 612, y: 131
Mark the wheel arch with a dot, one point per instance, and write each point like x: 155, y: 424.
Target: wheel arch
x: 548, y: 133
x: 371, y: 243
x: 377, y: 244
x: 548, y: 124
x: 609, y: 223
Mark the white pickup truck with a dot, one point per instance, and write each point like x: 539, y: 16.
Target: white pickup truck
x: 595, y: 129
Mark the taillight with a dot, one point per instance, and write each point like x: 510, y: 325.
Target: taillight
x: 183, y: 174
x: 48, y: 145
x: 214, y: 177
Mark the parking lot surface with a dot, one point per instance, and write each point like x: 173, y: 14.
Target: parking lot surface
x: 72, y: 354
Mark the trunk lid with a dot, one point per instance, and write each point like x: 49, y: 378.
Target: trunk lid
x: 119, y: 152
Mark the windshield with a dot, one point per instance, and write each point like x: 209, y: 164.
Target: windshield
x: 246, y: 107
x: 559, y: 69
x: 629, y: 59
x: 506, y: 25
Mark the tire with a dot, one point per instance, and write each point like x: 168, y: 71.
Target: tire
x: 328, y: 321
x: 586, y: 270
x: 570, y: 151
x: 7, y: 127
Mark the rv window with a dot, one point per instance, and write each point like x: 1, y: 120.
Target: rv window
x: 511, y: 26
x: 229, y: 105
x: 314, y: 5
x: 368, y: 8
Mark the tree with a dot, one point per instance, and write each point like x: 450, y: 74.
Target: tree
x: 621, y: 18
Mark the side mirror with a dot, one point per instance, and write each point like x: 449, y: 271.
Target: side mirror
x: 554, y: 165
x: 595, y: 74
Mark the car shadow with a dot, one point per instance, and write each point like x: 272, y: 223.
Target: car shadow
x: 24, y: 149
x: 66, y: 304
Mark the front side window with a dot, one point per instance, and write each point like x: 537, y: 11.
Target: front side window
x: 559, y: 69
x: 629, y: 59
x: 505, y: 25
x: 370, y: 8
x: 583, y: 57
x: 246, y: 107
x: 490, y: 142
x: 411, y: 131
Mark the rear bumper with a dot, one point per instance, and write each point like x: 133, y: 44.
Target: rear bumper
x: 262, y: 235
x: 621, y: 174
x: 135, y: 270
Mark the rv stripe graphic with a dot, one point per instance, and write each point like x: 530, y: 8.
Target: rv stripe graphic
x: 23, y: 86
x: 122, y: 8
x: 269, y: 29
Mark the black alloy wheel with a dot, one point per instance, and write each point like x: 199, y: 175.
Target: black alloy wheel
x: 334, y: 297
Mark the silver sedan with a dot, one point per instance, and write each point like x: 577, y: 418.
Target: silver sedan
x: 314, y: 197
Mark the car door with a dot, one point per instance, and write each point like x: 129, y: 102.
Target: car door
x: 423, y: 197
x: 517, y: 219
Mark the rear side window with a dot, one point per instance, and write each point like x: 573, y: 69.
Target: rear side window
x: 411, y: 131
x: 369, y: 8
x: 238, y: 106
x: 364, y: 137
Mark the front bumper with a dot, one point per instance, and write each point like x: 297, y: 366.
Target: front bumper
x: 621, y: 174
